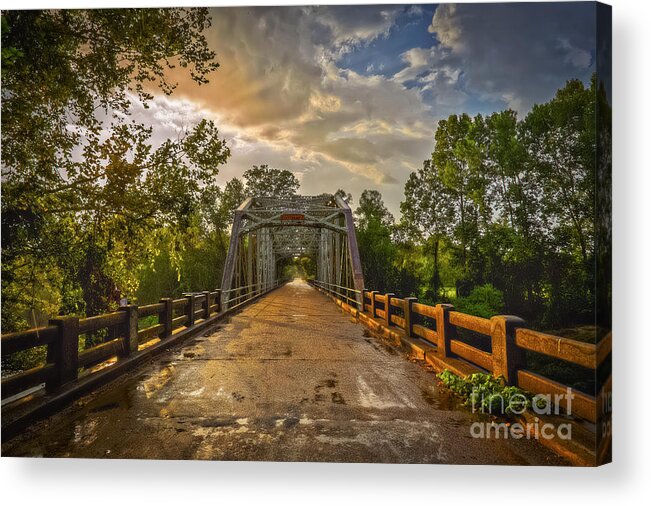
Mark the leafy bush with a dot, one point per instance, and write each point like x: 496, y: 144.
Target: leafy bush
x: 484, y: 301
x: 489, y: 394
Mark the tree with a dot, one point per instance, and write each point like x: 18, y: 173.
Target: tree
x: 216, y: 212
x: 459, y: 159
x: 371, y: 209
x: 374, y: 229
x: 514, y: 240
x: 426, y: 215
x: 261, y: 181
x: 513, y: 201
x: 72, y: 71
x: 346, y: 197
x: 194, y: 260
x: 218, y: 205
x: 560, y: 137
x: 84, y: 198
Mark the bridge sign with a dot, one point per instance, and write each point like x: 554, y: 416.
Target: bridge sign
x: 292, y: 217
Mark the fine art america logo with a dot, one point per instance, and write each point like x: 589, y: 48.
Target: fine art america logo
x: 517, y: 404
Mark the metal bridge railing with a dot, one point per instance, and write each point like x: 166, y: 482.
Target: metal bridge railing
x: 229, y: 301
x: 341, y: 292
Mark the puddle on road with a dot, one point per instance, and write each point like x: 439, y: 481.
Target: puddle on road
x: 368, y: 398
x: 379, y: 344
x: 98, y: 416
x: 439, y: 398
x: 78, y: 425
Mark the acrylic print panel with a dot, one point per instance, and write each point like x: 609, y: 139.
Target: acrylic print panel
x: 372, y: 233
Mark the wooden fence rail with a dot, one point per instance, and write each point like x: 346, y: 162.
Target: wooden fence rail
x: 65, y: 362
x: 508, y: 336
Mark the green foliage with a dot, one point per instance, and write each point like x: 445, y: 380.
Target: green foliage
x: 484, y: 301
x: 426, y: 216
x: 371, y: 211
x: 9, y: 54
x: 261, y: 181
x: 24, y: 360
x: 377, y: 249
x: 298, y: 268
x: 147, y: 321
x: 85, y: 200
x: 510, y: 202
x: 487, y: 393
x: 73, y: 64
x: 377, y: 252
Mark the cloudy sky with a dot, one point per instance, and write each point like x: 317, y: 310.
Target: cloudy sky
x: 349, y: 96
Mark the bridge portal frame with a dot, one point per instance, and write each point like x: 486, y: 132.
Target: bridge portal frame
x: 267, y: 229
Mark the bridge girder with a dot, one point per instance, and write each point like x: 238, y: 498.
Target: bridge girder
x: 268, y: 229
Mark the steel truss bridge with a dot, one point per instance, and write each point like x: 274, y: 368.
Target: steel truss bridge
x: 267, y: 231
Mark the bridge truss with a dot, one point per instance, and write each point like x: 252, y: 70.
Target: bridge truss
x: 267, y: 231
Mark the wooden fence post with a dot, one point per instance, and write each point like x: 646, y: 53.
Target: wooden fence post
x: 444, y: 330
x: 130, y: 329
x: 364, y: 292
x: 190, y: 311
x: 373, y: 294
x: 206, y: 308
x: 387, y: 308
x: 407, y: 309
x: 218, y: 300
x: 165, y: 317
x: 507, y: 356
x: 64, y: 352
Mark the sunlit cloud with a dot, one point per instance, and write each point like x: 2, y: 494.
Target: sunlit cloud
x: 350, y: 96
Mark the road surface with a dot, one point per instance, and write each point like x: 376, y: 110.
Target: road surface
x: 289, y: 378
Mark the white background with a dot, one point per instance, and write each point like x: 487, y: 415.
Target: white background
x: 627, y: 481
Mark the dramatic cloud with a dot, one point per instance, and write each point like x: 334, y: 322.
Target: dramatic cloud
x: 521, y: 53
x: 350, y: 96
x: 357, y: 24
x: 281, y: 94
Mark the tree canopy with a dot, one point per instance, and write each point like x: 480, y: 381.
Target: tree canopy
x: 85, y: 195
x: 263, y: 181
x: 511, y: 203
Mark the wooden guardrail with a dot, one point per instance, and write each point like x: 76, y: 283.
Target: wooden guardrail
x: 65, y: 362
x: 509, y: 338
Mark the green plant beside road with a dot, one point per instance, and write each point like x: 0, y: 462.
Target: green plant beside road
x: 488, y: 394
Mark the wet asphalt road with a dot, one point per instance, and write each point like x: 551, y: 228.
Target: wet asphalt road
x: 289, y: 378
